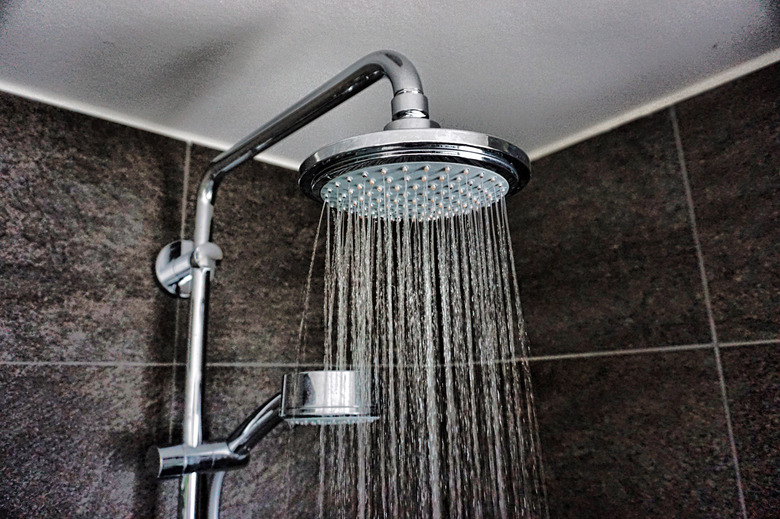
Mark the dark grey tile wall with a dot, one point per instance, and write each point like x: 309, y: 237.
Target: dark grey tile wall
x: 753, y: 378
x: 635, y: 436
x: 74, y: 439
x: 84, y: 204
x: 609, y: 267
x: 731, y: 138
x: 603, y: 245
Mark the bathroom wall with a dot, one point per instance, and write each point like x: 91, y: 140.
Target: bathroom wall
x: 649, y: 258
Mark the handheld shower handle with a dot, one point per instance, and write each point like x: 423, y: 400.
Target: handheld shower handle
x: 256, y: 426
x: 177, y: 460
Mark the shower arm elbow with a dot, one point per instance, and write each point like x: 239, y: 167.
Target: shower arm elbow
x: 409, y: 108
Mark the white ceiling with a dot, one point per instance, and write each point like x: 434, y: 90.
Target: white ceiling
x: 540, y: 74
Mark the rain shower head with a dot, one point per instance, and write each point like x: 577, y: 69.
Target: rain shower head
x: 418, y: 174
x: 327, y: 398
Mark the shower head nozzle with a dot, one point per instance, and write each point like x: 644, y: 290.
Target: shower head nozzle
x: 327, y: 398
x: 416, y: 174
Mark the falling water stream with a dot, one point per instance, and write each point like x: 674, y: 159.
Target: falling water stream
x: 429, y: 312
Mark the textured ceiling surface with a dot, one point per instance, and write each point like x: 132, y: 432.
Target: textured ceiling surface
x: 536, y: 73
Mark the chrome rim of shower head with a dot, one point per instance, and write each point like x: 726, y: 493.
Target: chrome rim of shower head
x: 327, y: 398
x: 417, y: 174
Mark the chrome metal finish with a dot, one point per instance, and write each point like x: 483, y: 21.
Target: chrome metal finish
x: 178, y: 460
x: 215, y: 494
x: 409, y: 111
x: 173, y: 268
x: 189, y: 493
x: 206, y: 255
x: 326, y: 398
x: 353, y: 80
x: 410, y: 120
x: 256, y: 426
x: 175, y: 263
x: 426, y: 172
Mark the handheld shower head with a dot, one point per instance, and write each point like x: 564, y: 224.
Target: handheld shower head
x: 327, y: 398
x: 417, y: 174
x: 307, y: 398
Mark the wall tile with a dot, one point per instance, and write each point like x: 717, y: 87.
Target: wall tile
x: 85, y: 205
x: 635, y: 436
x: 731, y: 138
x: 74, y: 439
x: 266, y: 229
x: 604, y: 248
x: 753, y: 382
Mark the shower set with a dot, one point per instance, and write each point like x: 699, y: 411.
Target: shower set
x: 412, y: 170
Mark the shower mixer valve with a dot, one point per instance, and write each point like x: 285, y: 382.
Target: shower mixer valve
x: 176, y: 260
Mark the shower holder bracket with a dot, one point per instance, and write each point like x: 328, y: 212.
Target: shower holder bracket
x: 174, y: 264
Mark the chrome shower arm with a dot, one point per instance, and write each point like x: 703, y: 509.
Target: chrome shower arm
x: 409, y: 108
x: 256, y: 426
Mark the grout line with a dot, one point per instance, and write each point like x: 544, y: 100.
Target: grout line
x: 87, y: 363
x: 708, y: 305
x: 562, y: 356
x: 171, y: 403
x: 618, y: 353
x: 185, y: 189
x: 749, y: 343
x: 177, y: 320
x: 533, y: 358
x: 249, y: 364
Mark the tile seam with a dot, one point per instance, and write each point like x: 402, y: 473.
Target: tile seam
x: 562, y: 356
x: 533, y: 358
x: 619, y: 353
x: 177, y: 319
x: 708, y: 305
x: 86, y: 363
x: 758, y: 342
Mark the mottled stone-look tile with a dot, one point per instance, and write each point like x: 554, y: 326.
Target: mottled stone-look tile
x: 85, y: 205
x: 282, y: 478
x: 266, y: 228
x: 604, y: 248
x: 753, y: 385
x: 731, y: 138
x: 635, y: 436
x: 74, y: 439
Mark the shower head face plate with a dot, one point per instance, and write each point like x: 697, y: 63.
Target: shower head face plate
x: 327, y: 398
x: 420, y: 174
